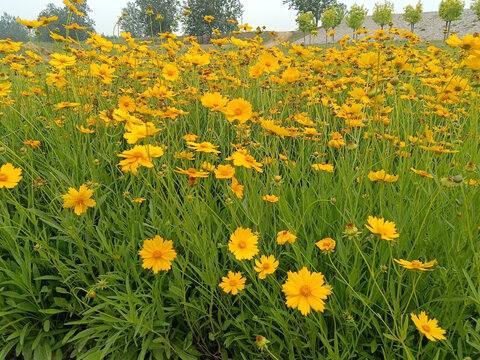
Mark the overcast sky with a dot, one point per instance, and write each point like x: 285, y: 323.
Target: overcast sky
x: 271, y: 13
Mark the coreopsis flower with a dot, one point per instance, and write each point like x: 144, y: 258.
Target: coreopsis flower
x: 233, y: 283
x: 138, y: 200
x: 269, y: 62
x: 326, y: 244
x: 104, y: 72
x: 170, y: 72
x: 191, y: 172
x: 10, y: 176
x: 323, y: 167
x: 236, y: 188
x: 224, y: 172
x: 5, y: 88
x: 205, y: 147
x: 382, y: 176
x: 270, y: 198
x: 243, y: 244
x: 208, y: 18
x: 337, y: 140
x: 305, y: 291
x: 416, y: 265
x: 79, y: 200
x: 140, y: 155
x: 285, y: 236
x: 126, y: 103
x: 422, y: 173
x: 385, y: 229
x: 242, y: 158
x: 32, y: 143
x: 214, y: 101
x: 157, y: 254
x: 61, y: 61
x: 428, y: 327
x: 266, y: 266
x: 238, y: 109
x: 190, y: 137
x: 30, y: 24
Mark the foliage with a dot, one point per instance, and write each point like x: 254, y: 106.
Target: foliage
x: 332, y: 17
x: 355, y: 170
x: 65, y: 16
x: 450, y: 10
x: 356, y: 17
x: 475, y: 6
x: 382, y: 13
x: 306, y: 22
x: 221, y: 10
x: 316, y: 7
x: 11, y: 29
x: 150, y: 17
x: 413, y: 15
x: 131, y: 20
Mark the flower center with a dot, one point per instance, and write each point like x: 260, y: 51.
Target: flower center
x: 426, y: 328
x: 238, y: 111
x: 266, y: 266
x: 306, y: 290
x: 3, y: 177
x: 157, y: 254
x: 232, y: 282
x: 242, y: 244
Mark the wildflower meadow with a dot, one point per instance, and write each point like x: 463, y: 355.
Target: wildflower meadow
x: 162, y: 199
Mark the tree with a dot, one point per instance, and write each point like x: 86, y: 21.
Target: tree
x: 131, y: 20
x: 332, y: 17
x: 147, y: 17
x: 63, y: 13
x: 413, y: 15
x: 316, y: 7
x: 475, y: 6
x: 450, y: 10
x: 355, y: 17
x: 306, y: 23
x: 11, y: 29
x: 220, y: 10
x: 382, y: 13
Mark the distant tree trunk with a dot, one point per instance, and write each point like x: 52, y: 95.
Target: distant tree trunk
x: 412, y: 26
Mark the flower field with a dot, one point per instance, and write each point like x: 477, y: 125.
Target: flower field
x: 166, y: 200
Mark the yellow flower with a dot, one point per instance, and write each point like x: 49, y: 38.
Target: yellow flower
x: 208, y: 18
x: 233, y: 283
x: 428, y: 327
x: 238, y: 109
x: 9, y: 176
x: 382, y: 176
x: 323, y: 167
x: 157, y: 254
x: 326, y: 244
x: 224, y: 172
x: 102, y: 71
x: 126, y: 103
x: 305, y: 291
x: 285, y: 236
x: 138, y: 200
x: 79, y: 200
x: 215, y: 101
x: 243, y: 244
x: 61, y: 61
x: 266, y: 266
x: 170, y: 72
x: 140, y: 155
x: 416, y: 265
x: 422, y: 173
x: 32, y: 143
x: 236, y: 188
x: 270, y: 198
x: 385, y: 229
x: 205, y: 147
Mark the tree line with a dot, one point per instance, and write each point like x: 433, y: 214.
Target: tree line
x: 329, y: 14
x: 144, y: 18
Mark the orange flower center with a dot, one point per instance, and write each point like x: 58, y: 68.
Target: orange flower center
x: 242, y: 244
x: 426, y: 328
x: 238, y: 111
x: 305, y: 290
x: 266, y: 266
x: 157, y: 254
x: 232, y: 282
x: 416, y: 264
x: 3, y: 177
x: 137, y: 154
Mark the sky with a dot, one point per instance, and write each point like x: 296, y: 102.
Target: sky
x: 271, y: 13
